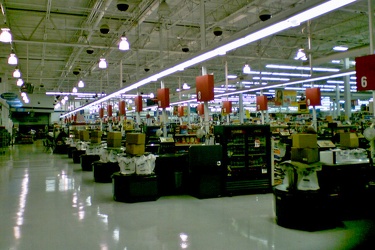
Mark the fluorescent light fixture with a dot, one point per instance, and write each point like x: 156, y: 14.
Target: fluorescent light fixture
x: 12, y: 59
x: 275, y: 66
x: 340, y: 48
x: 336, y: 61
x: 81, y: 84
x: 5, y: 35
x: 298, y: 17
x: 335, y: 81
x: 124, y: 44
x: 102, y: 63
x: 246, y: 69
x: 271, y: 78
x: 294, y: 88
x: 231, y: 76
x: 74, y: 90
x: 313, y: 79
x: 19, y: 82
x: 16, y: 73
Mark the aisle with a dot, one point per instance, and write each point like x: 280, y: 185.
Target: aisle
x: 47, y: 202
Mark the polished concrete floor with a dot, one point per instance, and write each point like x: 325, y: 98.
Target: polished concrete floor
x: 48, y: 202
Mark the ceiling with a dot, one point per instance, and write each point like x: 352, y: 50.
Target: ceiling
x: 51, y: 39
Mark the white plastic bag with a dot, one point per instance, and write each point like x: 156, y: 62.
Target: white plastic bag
x: 127, y: 165
x: 141, y: 165
x: 151, y: 162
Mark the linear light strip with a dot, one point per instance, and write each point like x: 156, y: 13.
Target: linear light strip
x: 294, y: 20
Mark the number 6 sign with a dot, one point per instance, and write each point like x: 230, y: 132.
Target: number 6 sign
x: 365, y: 72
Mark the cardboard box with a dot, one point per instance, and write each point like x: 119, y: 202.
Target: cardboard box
x: 84, y: 135
x: 135, y: 149
x: 114, y: 143
x: 96, y: 134
x: 349, y: 140
x: 96, y: 139
x: 306, y: 155
x: 304, y: 140
x: 136, y: 138
x: 114, y: 135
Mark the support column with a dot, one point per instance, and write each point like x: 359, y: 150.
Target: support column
x: 337, y: 111
x: 347, y: 93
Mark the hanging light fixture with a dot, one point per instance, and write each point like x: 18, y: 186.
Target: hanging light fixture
x: 301, y: 55
x: 246, y: 69
x: 163, y: 9
x: 124, y: 44
x: 12, y: 59
x: 81, y: 84
x: 74, y: 90
x: 5, y: 35
x: 19, y: 82
x: 102, y: 63
x: 16, y: 73
x: 185, y: 86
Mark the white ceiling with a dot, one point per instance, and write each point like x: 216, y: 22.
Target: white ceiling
x: 51, y: 37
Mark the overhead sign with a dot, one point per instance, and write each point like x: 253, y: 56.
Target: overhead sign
x: 9, y: 96
x: 365, y: 72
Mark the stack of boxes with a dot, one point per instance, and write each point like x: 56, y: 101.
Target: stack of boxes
x: 96, y: 136
x: 305, y: 148
x: 349, y: 140
x: 114, y: 139
x: 135, y: 143
x: 84, y: 135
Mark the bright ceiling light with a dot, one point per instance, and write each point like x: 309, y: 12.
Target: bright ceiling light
x: 19, y: 82
x: 12, y: 59
x: 246, y: 69
x: 5, y: 35
x: 152, y: 95
x: 301, y: 55
x: 66, y: 98
x: 124, y: 44
x: 340, y: 48
x: 185, y: 86
x: 81, y: 84
x: 276, y: 66
x: 74, y: 90
x: 16, y: 73
x: 102, y: 63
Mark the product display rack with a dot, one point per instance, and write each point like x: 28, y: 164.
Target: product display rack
x: 246, y: 156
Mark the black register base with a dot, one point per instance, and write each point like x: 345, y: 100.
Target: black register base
x: 306, y: 210
x: 77, y: 155
x: 134, y: 188
x: 87, y: 160
x: 103, y: 171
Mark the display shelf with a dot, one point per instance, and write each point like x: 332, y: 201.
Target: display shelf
x: 246, y: 155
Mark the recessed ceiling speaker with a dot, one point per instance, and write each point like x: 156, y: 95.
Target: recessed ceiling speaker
x: 122, y: 5
x: 264, y: 15
x: 218, y: 31
x: 104, y: 29
x: 185, y: 48
x: 76, y: 70
x: 90, y: 50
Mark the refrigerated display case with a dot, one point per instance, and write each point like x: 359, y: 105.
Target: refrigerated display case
x: 246, y: 157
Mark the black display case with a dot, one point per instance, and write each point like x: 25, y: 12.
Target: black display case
x: 246, y: 157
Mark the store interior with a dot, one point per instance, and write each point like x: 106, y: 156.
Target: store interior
x: 261, y: 108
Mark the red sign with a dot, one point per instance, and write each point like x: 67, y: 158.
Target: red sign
x: 163, y: 98
x: 365, y: 71
x: 204, y: 88
x: 262, y: 103
x: 313, y: 97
